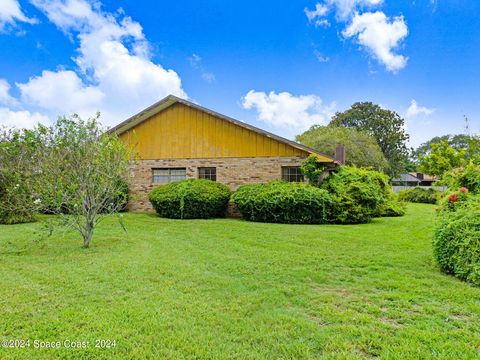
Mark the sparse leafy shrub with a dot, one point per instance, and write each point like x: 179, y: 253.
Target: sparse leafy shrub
x: 358, y: 194
x: 190, y: 199
x: 283, y: 202
x: 456, y: 241
x: 419, y: 195
x: 19, y: 174
x: 16, y: 197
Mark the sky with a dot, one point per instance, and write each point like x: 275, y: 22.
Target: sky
x: 278, y: 65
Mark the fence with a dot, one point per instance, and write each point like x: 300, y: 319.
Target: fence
x: 439, y: 188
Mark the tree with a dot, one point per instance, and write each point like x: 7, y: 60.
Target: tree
x: 457, y: 142
x: 387, y: 127
x: 361, y: 149
x: 442, y: 158
x: 84, y: 171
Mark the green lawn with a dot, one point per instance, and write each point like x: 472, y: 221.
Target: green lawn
x: 232, y: 289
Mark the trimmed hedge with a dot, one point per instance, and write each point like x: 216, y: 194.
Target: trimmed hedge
x: 283, y: 202
x: 419, y: 195
x: 456, y: 243
x: 359, y: 195
x: 190, y: 199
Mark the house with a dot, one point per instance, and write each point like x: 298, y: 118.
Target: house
x: 414, y: 179
x: 406, y: 180
x: 425, y: 180
x: 176, y: 139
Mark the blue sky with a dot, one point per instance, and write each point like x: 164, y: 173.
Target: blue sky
x: 282, y: 66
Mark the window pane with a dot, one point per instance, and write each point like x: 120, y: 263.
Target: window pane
x: 292, y: 174
x: 164, y: 172
x: 178, y: 172
x: 167, y: 175
x: 209, y: 173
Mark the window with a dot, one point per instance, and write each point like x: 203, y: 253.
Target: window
x: 209, y: 173
x: 292, y: 174
x: 165, y: 176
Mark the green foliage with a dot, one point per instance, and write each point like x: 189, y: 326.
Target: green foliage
x: 419, y: 195
x: 19, y: 175
x: 457, y: 142
x: 362, y: 149
x: 392, y: 208
x: 386, y: 126
x: 84, y: 173
x: 441, y: 158
x: 358, y: 194
x: 283, y: 202
x: 467, y: 176
x: 313, y: 169
x: 190, y: 199
x: 456, y: 242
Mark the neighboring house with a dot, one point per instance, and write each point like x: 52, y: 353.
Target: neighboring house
x: 176, y: 139
x: 406, y: 180
x: 414, y: 179
x: 425, y: 180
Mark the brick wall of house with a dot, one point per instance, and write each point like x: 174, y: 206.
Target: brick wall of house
x: 232, y: 172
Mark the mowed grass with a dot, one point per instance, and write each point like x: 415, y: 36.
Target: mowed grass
x: 228, y: 288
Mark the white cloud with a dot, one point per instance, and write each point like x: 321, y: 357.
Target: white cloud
x: 344, y: 9
x: 316, y: 16
x: 21, y: 119
x: 380, y: 37
x: 5, y: 97
x: 197, y: 64
x: 10, y: 13
x: 62, y: 91
x: 373, y: 30
x: 284, y: 110
x: 414, y: 110
x: 114, y: 72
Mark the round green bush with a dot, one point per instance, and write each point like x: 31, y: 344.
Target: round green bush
x: 456, y: 243
x: 283, y: 202
x: 419, y: 195
x: 190, y: 199
x: 358, y: 194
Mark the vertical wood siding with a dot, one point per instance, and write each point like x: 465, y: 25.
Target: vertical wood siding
x: 180, y: 131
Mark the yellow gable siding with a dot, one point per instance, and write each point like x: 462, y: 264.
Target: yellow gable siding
x: 180, y: 131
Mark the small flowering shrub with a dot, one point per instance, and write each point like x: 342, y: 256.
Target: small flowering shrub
x: 456, y: 243
x: 467, y: 177
x: 17, y: 206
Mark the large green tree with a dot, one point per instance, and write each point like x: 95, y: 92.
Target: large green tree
x: 386, y: 126
x: 441, y: 158
x: 457, y: 142
x: 362, y: 149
